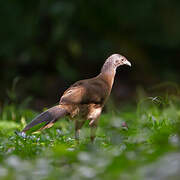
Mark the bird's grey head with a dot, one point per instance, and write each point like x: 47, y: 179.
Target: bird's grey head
x: 114, y: 61
x: 118, y: 60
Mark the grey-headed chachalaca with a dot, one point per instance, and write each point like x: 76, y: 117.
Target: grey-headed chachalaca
x: 84, y: 100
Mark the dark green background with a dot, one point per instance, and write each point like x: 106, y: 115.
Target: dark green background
x: 49, y: 44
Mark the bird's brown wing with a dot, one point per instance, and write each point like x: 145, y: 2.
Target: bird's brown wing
x: 85, y: 92
x: 74, y: 94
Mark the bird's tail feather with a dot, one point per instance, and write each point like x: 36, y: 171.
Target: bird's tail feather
x: 48, y: 117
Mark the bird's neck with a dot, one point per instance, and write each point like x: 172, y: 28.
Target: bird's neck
x: 108, y: 73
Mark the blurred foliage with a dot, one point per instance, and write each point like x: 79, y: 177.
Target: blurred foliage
x: 50, y: 44
x: 148, y: 148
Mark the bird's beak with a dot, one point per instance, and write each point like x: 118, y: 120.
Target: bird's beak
x: 127, y: 63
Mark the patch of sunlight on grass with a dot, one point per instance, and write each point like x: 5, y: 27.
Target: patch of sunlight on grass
x: 7, y: 127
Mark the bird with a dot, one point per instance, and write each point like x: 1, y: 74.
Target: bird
x: 84, y: 100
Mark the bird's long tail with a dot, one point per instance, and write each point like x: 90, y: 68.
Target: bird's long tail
x: 48, y: 117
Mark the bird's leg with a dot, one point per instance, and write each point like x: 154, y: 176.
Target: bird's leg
x: 93, y: 125
x: 93, y: 116
x: 78, y: 126
x: 77, y: 132
x: 93, y: 133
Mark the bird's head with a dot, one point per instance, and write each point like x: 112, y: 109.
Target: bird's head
x: 118, y: 60
x: 114, y: 61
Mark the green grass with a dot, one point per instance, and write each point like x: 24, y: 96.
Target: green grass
x: 144, y: 150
